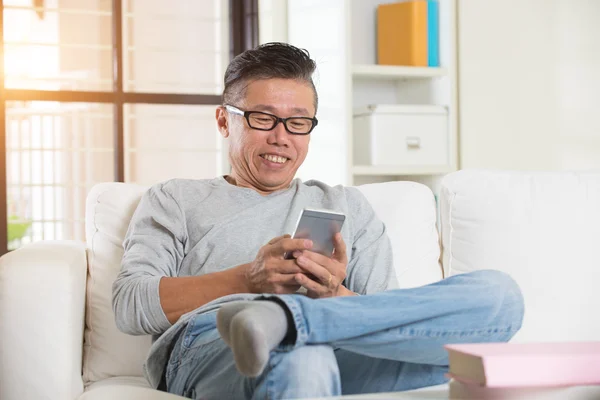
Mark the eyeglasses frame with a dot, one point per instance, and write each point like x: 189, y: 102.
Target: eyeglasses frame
x: 246, y: 114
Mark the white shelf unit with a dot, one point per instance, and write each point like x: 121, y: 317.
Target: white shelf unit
x: 393, y: 170
x: 348, y: 78
x: 391, y: 72
x: 371, y: 83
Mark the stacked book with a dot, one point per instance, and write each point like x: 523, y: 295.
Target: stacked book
x: 506, y: 371
x: 408, y: 33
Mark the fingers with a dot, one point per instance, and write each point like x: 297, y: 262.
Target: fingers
x: 284, y: 283
x: 314, y: 288
x: 284, y: 279
x: 286, y: 244
x: 339, y: 249
x: 278, y: 238
x: 318, y: 258
x: 319, y: 271
x: 286, y: 267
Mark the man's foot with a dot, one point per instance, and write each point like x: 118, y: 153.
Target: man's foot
x: 252, y: 329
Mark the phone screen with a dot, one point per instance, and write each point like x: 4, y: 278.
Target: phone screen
x: 319, y: 226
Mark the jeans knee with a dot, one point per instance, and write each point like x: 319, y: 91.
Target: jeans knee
x: 306, y: 371
x: 503, y: 296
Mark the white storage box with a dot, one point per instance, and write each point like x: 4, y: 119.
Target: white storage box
x: 404, y: 135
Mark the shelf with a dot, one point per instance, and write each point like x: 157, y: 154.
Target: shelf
x: 391, y: 72
x: 399, y: 170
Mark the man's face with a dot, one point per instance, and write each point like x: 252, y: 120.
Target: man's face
x: 249, y: 149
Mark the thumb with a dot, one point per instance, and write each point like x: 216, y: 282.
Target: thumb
x: 339, y: 249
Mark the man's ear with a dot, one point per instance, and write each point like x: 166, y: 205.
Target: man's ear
x: 222, y: 122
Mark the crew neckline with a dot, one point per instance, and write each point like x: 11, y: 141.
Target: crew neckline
x: 222, y: 181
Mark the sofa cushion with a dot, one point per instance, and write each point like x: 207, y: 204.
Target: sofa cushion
x: 124, y: 388
x: 136, y: 388
x: 541, y: 228
x: 107, y: 351
x: 407, y: 209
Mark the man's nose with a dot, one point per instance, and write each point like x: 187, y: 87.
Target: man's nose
x: 279, y: 135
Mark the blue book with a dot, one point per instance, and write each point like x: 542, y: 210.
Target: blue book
x: 433, y: 33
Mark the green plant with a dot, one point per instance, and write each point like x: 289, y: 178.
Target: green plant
x: 17, y: 228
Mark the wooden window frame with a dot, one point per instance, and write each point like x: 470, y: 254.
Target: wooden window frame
x: 243, y: 31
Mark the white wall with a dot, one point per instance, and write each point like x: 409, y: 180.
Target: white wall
x: 529, y: 88
x: 320, y: 28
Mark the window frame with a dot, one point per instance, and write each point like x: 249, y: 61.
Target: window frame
x: 243, y: 33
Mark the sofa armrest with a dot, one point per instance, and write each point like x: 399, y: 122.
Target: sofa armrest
x: 42, y: 307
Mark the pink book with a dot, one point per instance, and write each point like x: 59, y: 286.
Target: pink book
x: 525, y: 364
x: 461, y: 391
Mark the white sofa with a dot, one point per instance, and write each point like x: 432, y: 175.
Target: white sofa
x: 59, y: 340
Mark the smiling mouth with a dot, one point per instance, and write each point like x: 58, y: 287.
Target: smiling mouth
x: 274, y: 158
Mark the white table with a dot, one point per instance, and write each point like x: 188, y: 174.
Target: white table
x: 441, y: 393
x: 428, y: 393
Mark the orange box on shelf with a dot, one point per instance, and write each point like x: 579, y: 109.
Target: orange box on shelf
x: 402, y: 33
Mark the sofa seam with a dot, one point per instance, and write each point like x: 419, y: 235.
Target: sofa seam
x: 451, y: 231
x: 90, y: 325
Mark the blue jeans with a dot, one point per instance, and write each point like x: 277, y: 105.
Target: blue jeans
x: 390, y: 341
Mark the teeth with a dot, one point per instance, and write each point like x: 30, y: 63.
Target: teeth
x: 275, y: 159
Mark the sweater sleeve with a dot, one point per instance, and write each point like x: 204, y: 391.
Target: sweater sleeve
x: 154, y: 248
x: 370, y: 268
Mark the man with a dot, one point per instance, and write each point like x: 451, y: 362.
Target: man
x: 204, y: 272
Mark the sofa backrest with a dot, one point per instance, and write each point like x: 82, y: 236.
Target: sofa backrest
x: 407, y: 209
x: 541, y: 228
x: 107, y: 352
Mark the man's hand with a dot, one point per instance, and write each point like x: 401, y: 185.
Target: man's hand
x: 270, y: 272
x: 323, y: 276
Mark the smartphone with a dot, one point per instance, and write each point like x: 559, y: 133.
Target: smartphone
x: 319, y: 226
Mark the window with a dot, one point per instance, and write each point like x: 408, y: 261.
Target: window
x: 103, y: 90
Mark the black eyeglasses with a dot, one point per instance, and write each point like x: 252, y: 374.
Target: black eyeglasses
x: 266, y: 122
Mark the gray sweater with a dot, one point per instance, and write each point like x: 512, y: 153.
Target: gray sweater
x: 197, y: 227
